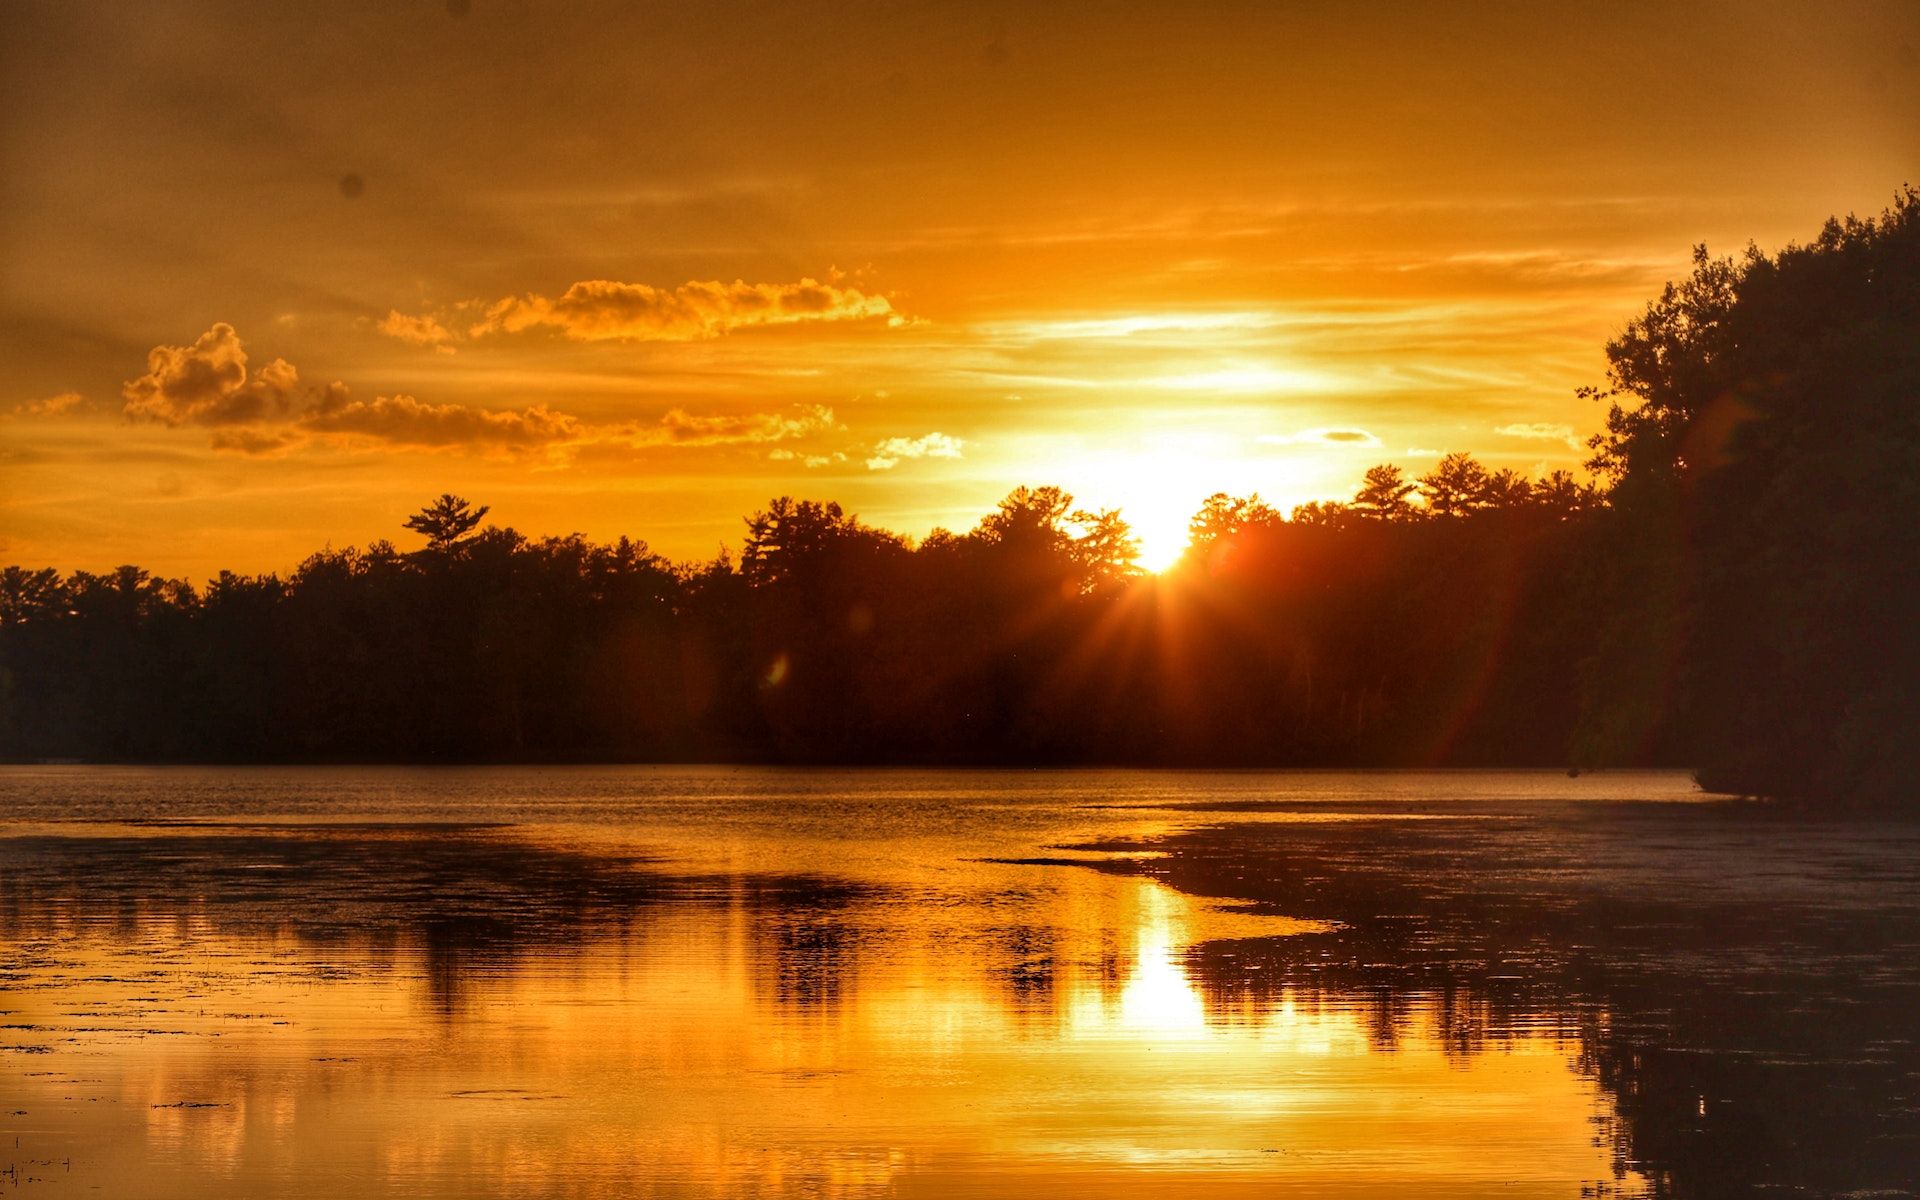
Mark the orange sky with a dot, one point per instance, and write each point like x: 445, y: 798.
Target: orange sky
x: 275, y: 274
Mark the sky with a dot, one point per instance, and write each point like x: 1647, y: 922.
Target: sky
x: 274, y: 275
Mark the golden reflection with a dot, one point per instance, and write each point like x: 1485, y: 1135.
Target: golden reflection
x: 755, y: 1037
x: 1157, y: 997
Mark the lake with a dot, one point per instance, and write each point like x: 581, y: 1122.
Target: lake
x: 695, y: 982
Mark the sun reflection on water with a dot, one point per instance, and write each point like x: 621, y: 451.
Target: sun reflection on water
x: 1157, y: 997
x: 975, y: 1027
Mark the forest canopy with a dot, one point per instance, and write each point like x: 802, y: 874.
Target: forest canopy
x: 1381, y: 631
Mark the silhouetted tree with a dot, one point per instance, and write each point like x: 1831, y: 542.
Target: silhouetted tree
x: 1222, y: 518
x: 1329, y: 514
x: 446, y: 521
x: 30, y: 595
x: 1563, y: 495
x: 1764, y: 431
x: 792, y: 537
x: 1507, y: 489
x: 1105, y: 549
x: 1384, y: 494
x: 1456, y: 486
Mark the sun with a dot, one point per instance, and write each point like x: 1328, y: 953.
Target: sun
x: 1163, y: 536
x: 1159, y: 473
x: 1159, y: 481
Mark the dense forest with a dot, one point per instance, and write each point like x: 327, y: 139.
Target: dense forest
x: 1735, y: 590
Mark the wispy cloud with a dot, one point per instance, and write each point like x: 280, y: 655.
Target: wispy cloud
x: 52, y: 406
x: 684, y: 429
x: 405, y: 421
x: 1248, y: 379
x: 1541, y: 432
x: 1129, y: 326
x: 1321, y: 437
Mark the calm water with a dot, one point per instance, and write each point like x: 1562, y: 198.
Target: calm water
x: 708, y: 982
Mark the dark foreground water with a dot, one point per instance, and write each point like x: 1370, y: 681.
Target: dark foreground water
x: 631, y: 982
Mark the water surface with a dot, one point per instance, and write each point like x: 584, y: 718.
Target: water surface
x: 719, y: 982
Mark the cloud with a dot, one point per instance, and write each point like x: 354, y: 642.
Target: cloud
x: 208, y: 383
x: 887, y: 455
x: 245, y: 439
x: 1539, y: 431
x: 1231, y: 326
x: 263, y: 414
x: 595, y: 310
x: 52, y: 406
x: 1321, y: 437
x: 416, y: 331
x: 684, y: 429
x: 405, y: 421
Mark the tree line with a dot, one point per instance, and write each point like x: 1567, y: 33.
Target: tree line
x: 1375, y: 632
x: 1734, y: 589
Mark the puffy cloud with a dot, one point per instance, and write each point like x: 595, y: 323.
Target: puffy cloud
x: 208, y: 383
x: 887, y: 455
x: 52, y: 406
x: 417, y: 331
x: 404, y: 422
x: 596, y: 310
x: 261, y: 414
x: 1541, y: 432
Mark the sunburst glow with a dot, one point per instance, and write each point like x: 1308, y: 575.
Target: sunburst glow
x: 1166, y: 474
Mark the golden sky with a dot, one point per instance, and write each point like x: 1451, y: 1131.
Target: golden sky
x: 273, y: 274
